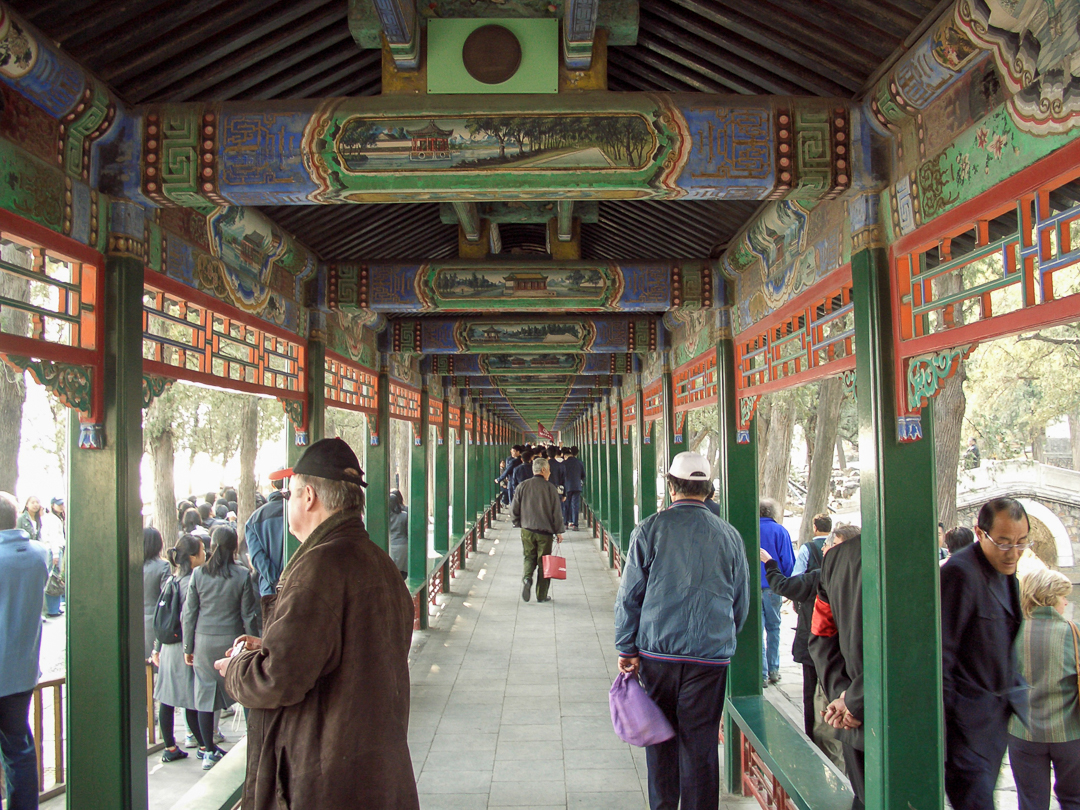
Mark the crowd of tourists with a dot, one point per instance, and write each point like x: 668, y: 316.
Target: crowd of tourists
x: 48, y: 526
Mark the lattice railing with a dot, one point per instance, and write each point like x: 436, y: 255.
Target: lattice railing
x: 694, y: 382
x: 996, y: 266
x: 404, y: 402
x: 654, y: 400
x: 350, y: 385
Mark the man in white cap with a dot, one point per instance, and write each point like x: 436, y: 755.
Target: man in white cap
x: 683, y: 598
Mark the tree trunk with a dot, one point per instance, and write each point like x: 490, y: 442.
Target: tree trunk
x: 818, y: 482
x: 1038, y: 444
x: 778, y: 464
x: 163, y: 453
x: 948, y: 414
x: 763, y: 420
x: 249, y: 447
x: 12, y: 382
x: 841, y: 459
x: 1074, y: 439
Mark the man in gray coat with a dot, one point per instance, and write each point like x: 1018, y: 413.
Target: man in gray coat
x: 684, y: 595
x: 537, y: 511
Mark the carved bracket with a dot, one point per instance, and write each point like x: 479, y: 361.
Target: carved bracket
x: 850, y: 379
x: 747, y: 409
x: 680, y: 426
x: 926, y: 376
x: 73, y: 386
x: 153, y: 387
x: 373, y: 428
x: 418, y: 436
x: 296, y: 410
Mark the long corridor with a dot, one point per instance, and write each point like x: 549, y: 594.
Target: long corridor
x: 509, y: 699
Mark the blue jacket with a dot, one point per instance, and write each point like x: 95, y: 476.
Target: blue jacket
x: 685, y: 588
x: 776, y: 540
x: 24, y: 569
x: 573, y: 474
x: 264, y: 533
x: 507, y: 474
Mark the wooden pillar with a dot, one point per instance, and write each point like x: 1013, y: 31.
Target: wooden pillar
x: 901, y: 600
x: 472, y: 469
x: 610, y: 486
x: 626, y: 483
x: 738, y: 499
x: 418, y: 504
x: 441, y: 503
x: 647, y: 451
x: 315, y: 416
x: 676, y: 436
x: 377, y: 512
x: 106, y: 681
x: 457, y: 494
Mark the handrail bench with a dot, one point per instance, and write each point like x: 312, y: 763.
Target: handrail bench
x: 780, y: 768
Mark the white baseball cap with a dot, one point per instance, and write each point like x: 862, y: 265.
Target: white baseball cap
x: 690, y: 467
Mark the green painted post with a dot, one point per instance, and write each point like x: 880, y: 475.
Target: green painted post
x: 901, y: 601
x: 610, y: 487
x: 457, y: 494
x: 626, y: 485
x: 106, y: 678
x: 676, y: 434
x: 738, y: 499
x: 593, y: 469
x: 315, y: 409
x: 377, y: 514
x: 472, y: 493
x: 418, y: 505
x: 647, y: 451
x: 442, y: 481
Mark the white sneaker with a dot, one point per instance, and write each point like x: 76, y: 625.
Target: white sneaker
x: 219, y: 737
x: 190, y: 741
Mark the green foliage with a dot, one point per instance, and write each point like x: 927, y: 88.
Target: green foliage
x: 1017, y: 386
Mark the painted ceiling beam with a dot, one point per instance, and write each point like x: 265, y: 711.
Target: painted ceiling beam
x: 565, y: 220
x: 397, y: 18
x: 579, y: 31
x: 459, y: 367
x: 515, y: 285
x: 495, y: 244
x: 499, y: 147
x: 468, y: 219
x: 548, y: 337
x: 530, y: 381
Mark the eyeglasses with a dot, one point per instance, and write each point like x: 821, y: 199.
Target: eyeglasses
x: 1006, y: 546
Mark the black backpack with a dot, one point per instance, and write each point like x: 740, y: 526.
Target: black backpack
x: 167, y: 626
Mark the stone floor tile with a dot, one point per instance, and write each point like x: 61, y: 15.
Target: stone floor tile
x: 527, y: 794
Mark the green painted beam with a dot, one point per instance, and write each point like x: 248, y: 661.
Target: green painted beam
x: 738, y: 499
x: 106, y: 677
x: 901, y: 600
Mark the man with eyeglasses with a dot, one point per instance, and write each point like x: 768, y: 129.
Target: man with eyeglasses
x: 980, y: 617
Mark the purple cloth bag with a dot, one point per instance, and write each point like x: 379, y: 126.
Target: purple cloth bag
x: 637, y: 720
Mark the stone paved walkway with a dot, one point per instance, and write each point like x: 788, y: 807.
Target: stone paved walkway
x: 509, y: 699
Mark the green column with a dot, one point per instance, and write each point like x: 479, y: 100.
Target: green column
x: 315, y: 410
x: 473, y: 452
x: 626, y: 485
x: 457, y: 494
x: 106, y: 678
x: 377, y: 513
x: 610, y: 487
x: 901, y: 602
x: 442, y: 481
x: 593, y: 443
x: 418, y: 497
x: 647, y: 451
x: 738, y: 498
x: 677, y: 441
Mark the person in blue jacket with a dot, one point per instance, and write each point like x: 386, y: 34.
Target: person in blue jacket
x: 775, y: 540
x: 684, y: 596
x: 264, y: 534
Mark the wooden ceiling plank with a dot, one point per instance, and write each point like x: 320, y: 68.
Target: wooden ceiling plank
x: 887, y: 17
x: 312, y: 48
x: 790, y: 42
x: 722, y: 75
x: 664, y: 229
x: 694, y: 82
x: 67, y: 19
x: 393, y: 231
x: 626, y: 81
x: 263, y: 52
x: 367, y: 63
x: 765, y: 62
x: 210, y: 41
x: 835, y: 17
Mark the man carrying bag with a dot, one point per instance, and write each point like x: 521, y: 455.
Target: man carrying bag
x: 537, y: 511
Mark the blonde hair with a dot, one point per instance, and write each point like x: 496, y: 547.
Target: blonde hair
x: 1042, y: 588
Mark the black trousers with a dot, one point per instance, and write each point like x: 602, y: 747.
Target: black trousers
x: 1030, y: 763
x: 686, y: 767
x: 809, y: 689
x: 854, y: 762
x: 970, y: 776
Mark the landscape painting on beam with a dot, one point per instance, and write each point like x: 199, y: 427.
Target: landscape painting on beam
x: 536, y: 364
x: 593, y: 287
x: 491, y: 336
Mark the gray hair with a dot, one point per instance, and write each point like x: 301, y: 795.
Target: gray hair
x: 539, y: 465
x: 336, y: 496
x: 768, y: 508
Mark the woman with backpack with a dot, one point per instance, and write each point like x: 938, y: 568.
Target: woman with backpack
x: 155, y: 573
x: 221, y: 605
x: 175, y: 684
x: 399, y: 532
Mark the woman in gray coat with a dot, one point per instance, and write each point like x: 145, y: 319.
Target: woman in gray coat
x: 155, y: 573
x: 221, y: 605
x: 175, y: 684
x: 399, y: 533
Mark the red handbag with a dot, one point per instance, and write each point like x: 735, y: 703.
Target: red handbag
x: 554, y: 566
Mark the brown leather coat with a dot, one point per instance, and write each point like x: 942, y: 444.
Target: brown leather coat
x: 329, y: 690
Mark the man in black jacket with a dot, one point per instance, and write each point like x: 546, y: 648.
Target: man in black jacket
x: 980, y: 617
x: 836, y: 645
x: 573, y: 483
x: 802, y: 590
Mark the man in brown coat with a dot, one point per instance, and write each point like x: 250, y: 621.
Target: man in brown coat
x: 328, y: 684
